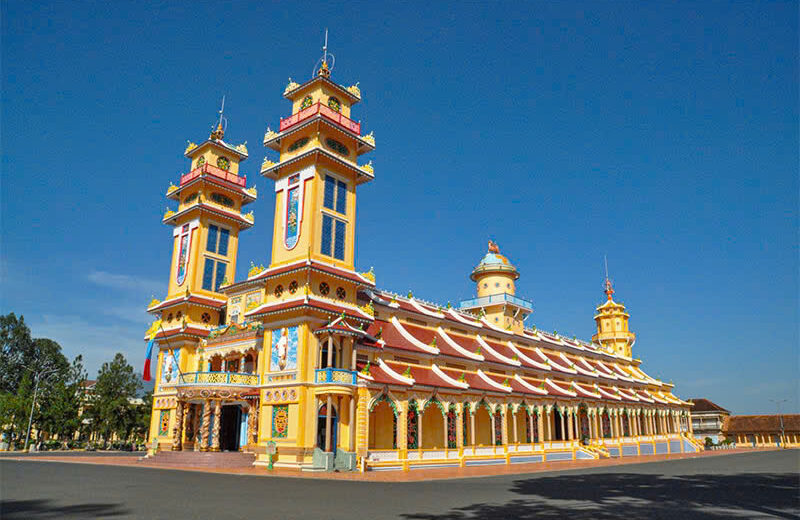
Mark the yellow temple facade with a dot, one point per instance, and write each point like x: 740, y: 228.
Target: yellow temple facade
x: 307, y: 364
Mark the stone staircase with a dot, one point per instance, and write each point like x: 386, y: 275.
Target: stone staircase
x: 201, y: 459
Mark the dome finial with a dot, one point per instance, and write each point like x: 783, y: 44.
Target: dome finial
x: 493, y: 247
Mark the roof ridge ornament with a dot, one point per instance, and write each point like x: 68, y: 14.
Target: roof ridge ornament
x: 493, y: 247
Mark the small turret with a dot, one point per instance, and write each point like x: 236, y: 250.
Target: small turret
x: 495, y: 277
x: 612, y: 325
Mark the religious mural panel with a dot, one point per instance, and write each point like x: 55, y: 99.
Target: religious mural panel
x: 163, y: 423
x: 280, y: 421
x: 183, y: 255
x: 284, y: 349
x: 292, y: 217
x: 169, y: 369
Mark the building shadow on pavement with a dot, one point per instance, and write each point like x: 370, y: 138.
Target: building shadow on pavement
x: 48, y: 509
x: 623, y: 495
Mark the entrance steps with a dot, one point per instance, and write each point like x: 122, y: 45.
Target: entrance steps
x: 203, y: 459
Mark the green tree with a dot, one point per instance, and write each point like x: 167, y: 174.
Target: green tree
x: 112, y: 411
x: 16, y: 348
x: 60, y: 401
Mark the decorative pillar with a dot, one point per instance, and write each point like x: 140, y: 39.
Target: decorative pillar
x: 530, y: 425
x: 540, y: 424
x: 330, y: 354
x: 351, y: 444
x: 446, y: 417
x: 514, y: 426
x: 177, y: 428
x: 420, y: 414
x: 205, y: 427
x: 503, y: 424
x: 217, y: 421
x: 561, y: 418
x: 492, y: 418
x: 549, y: 420
x: 472, y: 427
x: 570, y: 430
x: 460, y: 425
x: 328, y: 409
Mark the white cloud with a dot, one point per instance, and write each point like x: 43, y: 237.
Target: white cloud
x: 96, y: 342
x: 125, y: 282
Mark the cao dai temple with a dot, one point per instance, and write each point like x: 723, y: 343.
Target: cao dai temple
x: 308, y: 364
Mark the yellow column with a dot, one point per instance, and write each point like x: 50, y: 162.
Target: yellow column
x: 351, y: 441
x: 472, y: 427
x: 570, y: 426
x: 177, y: 428
x: 459, y: 426
x: 514, y: 427
x: 540, y: 424
x: 362, y: 419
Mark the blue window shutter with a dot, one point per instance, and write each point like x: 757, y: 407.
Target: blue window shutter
x: 327, y: 235
x: 211, y: 244
x: 338, y: 252
x: 330, y: 185
x: 223, y: 241
x: 208, y: 275
x: 221, y: 266
x: 341, y: 197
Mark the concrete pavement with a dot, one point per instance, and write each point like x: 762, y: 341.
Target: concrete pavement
x: 747, y: 485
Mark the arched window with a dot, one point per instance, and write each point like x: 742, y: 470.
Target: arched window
x: 334, y: 104
x: 307, y: 102
x: 221, y: 199
x: 201, y: 161
x: 298, y: 144
x: 337, y: 147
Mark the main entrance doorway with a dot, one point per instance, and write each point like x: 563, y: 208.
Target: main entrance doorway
x: 321, y: 422
x: 230, y: 428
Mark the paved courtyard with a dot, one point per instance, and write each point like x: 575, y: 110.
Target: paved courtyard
x: 743, y: 485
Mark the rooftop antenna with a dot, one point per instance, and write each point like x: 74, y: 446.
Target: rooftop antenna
x: 222, y: 123
x: 322, y: 67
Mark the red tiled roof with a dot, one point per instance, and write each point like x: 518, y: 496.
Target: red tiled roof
x: 743, y: 424
x: 704, y: 405
x: 392, y: 337
x: 379, y: 376
x: 198, y: 300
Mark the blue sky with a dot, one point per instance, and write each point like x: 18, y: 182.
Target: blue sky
x: 662, y: 134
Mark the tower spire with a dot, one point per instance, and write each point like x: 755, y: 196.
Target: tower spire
x: 609, y: 288
x: 219, y: 132
x: 325, y: 69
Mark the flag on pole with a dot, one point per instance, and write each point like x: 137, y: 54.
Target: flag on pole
x: 151, y: 335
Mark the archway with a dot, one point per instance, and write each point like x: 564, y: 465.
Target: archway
x: 606, y: 424
x: 583, y: 421
x: 433, y: 428
x: 558, y: 431
x: 626, y: 424
x: 322, y: 424
x: 382, y: 426
x: 483, y: 426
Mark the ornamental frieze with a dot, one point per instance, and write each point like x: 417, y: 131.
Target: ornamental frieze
x: 213, y: 393
x: 280, y: 395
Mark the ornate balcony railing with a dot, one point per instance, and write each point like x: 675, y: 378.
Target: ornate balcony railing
x: 217, y: 378
x: 327, y: 113
x: 216, y: 172
x: 336, y: 376
x: 495, y: 298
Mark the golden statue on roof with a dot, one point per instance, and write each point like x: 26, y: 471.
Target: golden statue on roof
x: 493, y: 247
